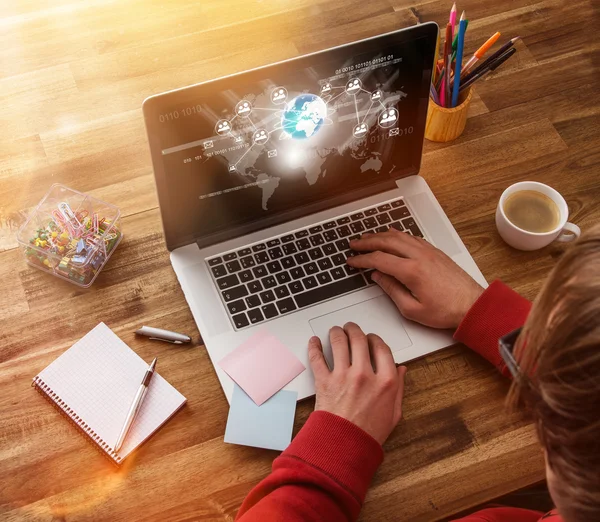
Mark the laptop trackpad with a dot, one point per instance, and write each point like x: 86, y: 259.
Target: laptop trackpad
x: 379, y: 316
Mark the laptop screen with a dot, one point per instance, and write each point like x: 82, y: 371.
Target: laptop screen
x: 300, y: 135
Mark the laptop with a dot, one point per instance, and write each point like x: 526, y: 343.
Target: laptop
x: 264, y: 176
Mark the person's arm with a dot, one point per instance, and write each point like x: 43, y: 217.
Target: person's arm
x: 325, y: 472
x: 430, y: 288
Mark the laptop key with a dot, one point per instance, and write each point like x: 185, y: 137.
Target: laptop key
x: 270, y: 311
x: 236, y: 307
x: 325, y: 263
x: 310, y: 282
x: 228, y: 282
x: 397, y: 203
x: 274, y: 266
x: 311, y: 268
x: 317, y: 240
x: 281, y: 292
x: 352, y: 238
x: 303, y: 244
x: 240, y: 320
x: 368, y: 275
x: 329, y: 225
x: 219, y: 270
x: 247, y: 262
x: 269, y: 281
x: 259, y: 271
x: 244, y: 252
x: 357, y: 216
x: 297, y: 272
x: 344, y: 231
x: 384, y: 218
x: 215, y: 261
x: 288, y: 262
x: 399, y: 213
x: 381, y: 229
x: 315, y: 253
x: 342, y: 244
x: 268, y: 296
x: 397, y: 225
x: 330, y: 235
x: 301, y: 233
x: 233, y: 266
x: 331, y: 290
x: 261, y: 258
x: 339, y: 259
x: 384, y: 208
x: 258, y: 248
x: 370, y: 212
x: 252, y: 301
x: 273, y: 242
x: 296, y: 286
x: 230, y: 257
x: 350, y: 270
x: 290, y: 249
x: 276, y: 253
x: 343, y: 220
x: 357, y: 227
x: 410, y: 224
x: 254, y: 286
x: 283, y: 277
x: 255, y: 316
x: 338, y: 273
x: 245, y: 276
x: 286, y: 305
x: 302, y: 257
x: 370, y: 222
x: 329, y: 249
x: 324, y: 278
x: 288, y: 238
x: 315, y: 230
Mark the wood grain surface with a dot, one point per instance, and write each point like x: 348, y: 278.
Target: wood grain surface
x: 73, y: 75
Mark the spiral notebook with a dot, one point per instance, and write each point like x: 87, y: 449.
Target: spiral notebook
x: 94, y: 382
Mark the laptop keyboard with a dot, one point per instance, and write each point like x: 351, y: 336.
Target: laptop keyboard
x: 298, y: 269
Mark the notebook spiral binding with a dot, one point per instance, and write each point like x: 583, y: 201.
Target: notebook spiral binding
x: 43, y: 389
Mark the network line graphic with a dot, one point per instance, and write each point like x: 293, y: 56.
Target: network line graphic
x: 302, y: 116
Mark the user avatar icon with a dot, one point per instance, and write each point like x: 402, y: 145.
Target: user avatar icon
x: 353, y: 86
x: 260, y: 136
x: 238, y: 139
x: 326, y: 88
x: 360, y: 130
x: 388, y: 118
x: 243, y: 108
x: 376, y: 95
x: 223, y: 127
x: 279, y: 95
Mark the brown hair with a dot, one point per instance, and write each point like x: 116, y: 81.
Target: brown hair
x: 559, y: 349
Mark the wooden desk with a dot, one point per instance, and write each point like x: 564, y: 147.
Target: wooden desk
x: 72, y: 79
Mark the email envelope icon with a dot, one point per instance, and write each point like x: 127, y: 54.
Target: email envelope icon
x: 272, y: 153
x: 394, y: 132
x: 208, y: 144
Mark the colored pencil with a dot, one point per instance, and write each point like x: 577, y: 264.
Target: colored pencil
x: 455, y: 42
x: 452, y: 20
x: 479, y: 53
x: 491, y: 58
x: 499, y: 61
x: 447, y: 44
x: 434, y: 94
x: 459, y: 54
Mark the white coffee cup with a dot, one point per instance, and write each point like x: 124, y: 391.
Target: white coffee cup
x: 523, y: 239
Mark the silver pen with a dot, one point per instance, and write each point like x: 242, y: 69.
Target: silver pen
x: 163, y: 335
x: 136, y: 405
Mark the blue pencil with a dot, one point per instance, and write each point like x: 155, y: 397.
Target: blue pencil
x: 462, y: 27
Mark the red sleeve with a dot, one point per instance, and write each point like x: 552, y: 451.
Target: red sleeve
x: 497, y: 312
x: 323, y: 475
x: 504, y: 514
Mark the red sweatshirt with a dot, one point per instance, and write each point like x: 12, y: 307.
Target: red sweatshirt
x: 324, y: 474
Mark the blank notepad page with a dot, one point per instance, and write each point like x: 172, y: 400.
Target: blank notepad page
x: 97, y: 379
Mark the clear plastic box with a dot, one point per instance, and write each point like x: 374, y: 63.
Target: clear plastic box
x: 71, y: 235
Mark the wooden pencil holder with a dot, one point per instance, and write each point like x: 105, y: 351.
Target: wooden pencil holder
x: 447, y: 124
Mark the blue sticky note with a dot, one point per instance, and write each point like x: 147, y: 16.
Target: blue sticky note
x: 266, y: 426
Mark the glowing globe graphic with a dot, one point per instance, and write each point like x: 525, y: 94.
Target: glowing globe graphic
x: 303, y: 116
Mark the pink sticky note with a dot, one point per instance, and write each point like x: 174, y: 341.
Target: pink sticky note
x: 261, y: 366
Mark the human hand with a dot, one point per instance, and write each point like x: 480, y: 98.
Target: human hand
x: 426, y: 285
x: 371, y: 399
